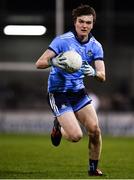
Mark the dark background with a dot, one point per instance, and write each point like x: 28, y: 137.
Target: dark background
x: 22, y: 88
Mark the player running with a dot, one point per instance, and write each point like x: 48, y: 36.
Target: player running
x: 67, y: 96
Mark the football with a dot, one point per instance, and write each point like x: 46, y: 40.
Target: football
x: 73, y: 61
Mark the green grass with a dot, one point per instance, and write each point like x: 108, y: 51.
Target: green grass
x: 33, y: 157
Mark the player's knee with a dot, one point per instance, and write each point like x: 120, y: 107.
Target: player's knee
x: 76, y: 137
x: 95, y: 131
x: 95, y: 135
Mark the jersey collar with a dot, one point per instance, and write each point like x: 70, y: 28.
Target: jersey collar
x: 75, y: 34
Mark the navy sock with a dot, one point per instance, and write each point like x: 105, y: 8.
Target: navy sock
x: 93, y: 165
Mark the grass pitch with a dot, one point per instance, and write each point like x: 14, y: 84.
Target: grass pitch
x: 33, y: 157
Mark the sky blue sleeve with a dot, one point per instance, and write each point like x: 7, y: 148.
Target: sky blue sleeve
x: 56, y: 45
x: 98, y: 52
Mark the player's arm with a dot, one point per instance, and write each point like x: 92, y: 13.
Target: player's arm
x: 44, y: 61
x: 48, y: 59
x: 100, y: 70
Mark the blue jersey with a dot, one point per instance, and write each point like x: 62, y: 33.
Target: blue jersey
x: 91, y: 50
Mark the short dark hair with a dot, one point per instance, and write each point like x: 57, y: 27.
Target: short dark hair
x: 83, y: 10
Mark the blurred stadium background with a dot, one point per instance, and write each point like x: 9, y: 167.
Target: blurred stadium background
x: 23, y: 105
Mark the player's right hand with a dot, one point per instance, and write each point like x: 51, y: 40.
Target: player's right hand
x: 58, y: 61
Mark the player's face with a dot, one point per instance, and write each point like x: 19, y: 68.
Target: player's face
x: 83, y: 25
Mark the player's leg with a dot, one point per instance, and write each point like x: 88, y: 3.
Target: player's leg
x: 65, y: 123
x: 67, y: 126
x: 88, y: 117
x: 70, y: 127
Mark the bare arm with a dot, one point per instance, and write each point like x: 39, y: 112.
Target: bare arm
x: 100, y: 70
x: 42, y: 62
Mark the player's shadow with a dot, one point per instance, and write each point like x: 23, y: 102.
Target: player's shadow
x: 40, y: 174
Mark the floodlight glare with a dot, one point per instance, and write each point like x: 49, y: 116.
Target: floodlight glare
x: 25, y: 30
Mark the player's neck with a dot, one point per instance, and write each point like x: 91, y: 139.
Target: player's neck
x: 82, y: 38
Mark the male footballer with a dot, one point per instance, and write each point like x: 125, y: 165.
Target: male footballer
x: 68, y: 99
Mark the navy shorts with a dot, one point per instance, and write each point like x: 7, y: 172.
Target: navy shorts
x: 61, y: 102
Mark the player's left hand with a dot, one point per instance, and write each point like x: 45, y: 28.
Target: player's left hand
x: 87, y: 69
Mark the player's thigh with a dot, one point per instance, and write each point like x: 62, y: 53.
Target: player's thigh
x: 88, y: 117
x: 70, y: 124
